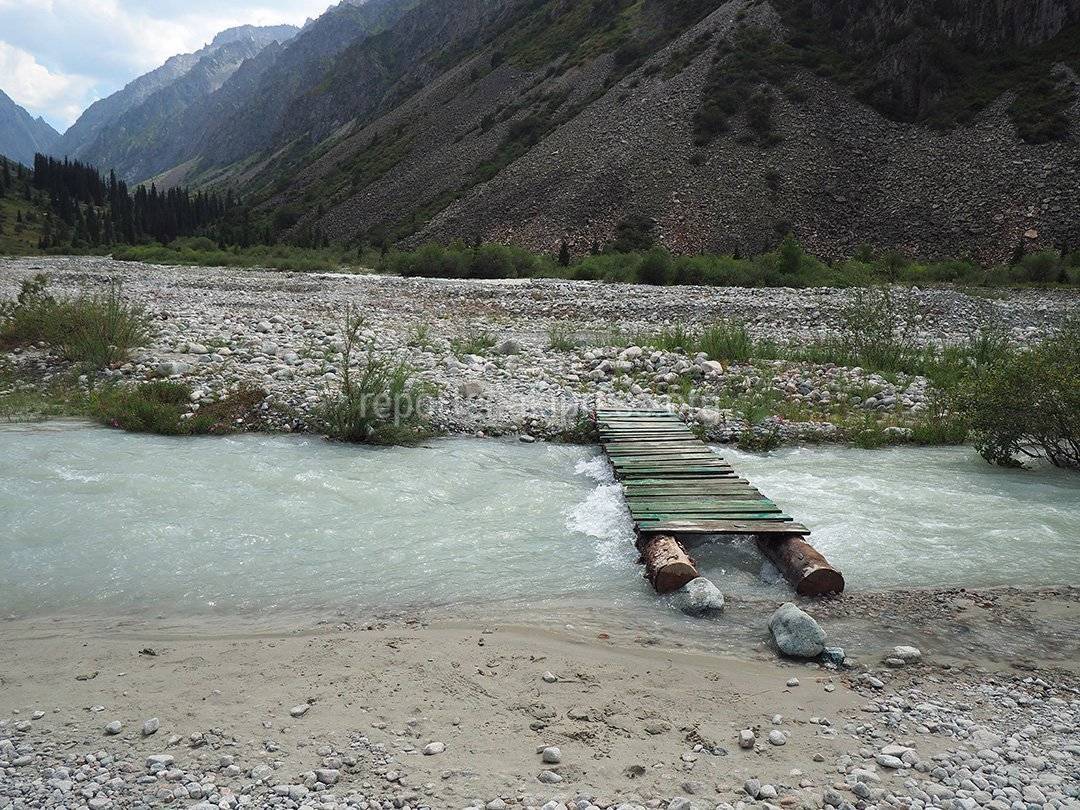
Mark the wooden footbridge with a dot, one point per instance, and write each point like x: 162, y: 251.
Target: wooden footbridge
x: 676, y: 487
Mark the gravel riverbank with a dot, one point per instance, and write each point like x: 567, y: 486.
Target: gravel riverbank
x: 487, y: 344
x: 578, y: 711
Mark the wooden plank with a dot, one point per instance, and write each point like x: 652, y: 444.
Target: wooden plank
x: 697, y: 468
x: 629, y: 478
x: 779, y: 527
x: 618, y: 441
x: 657, y: 458
x: 674, y: 487
x: 708, y: 517
x: 703, y: 504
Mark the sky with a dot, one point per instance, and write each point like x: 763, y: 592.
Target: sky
x: 59, y: 56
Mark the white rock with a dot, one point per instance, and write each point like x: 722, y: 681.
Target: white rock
x: 433, y: 748
x: 151, y: 726
x: 115, y: 727
x: 777, y: 737
x: 552, y: 755
x: 301, y: 710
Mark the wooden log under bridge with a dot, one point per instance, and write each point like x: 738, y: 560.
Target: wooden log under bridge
x: 676, y: 486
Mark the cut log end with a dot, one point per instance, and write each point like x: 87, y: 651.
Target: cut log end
x: 667, y: 565
x: 809, y: 573
x: 820, y: 582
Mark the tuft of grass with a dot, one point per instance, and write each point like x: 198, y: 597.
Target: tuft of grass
x: 25, y: 398
x: 420, y: 336
x: 473, y: 344
x: 727, y: 341
x: 561, y: 339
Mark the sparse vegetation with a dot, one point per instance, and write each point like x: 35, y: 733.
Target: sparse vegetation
x: 165, y: 408
x: 97, y: 329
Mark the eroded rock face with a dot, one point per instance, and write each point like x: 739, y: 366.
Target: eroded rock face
x: 796, y: 632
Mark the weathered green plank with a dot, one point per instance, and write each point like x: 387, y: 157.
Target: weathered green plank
x: 701, y: 504
x: 693, y: 518
x: 722, y: 527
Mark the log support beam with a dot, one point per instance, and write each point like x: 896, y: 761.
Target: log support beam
x: 809, y: 573
x: 667, y: 565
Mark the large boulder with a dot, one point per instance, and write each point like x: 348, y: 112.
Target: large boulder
x: 698, y: 597
x: 796, y: 633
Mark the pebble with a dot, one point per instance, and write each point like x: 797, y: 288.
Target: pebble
x: 747, y: 739
x: 778, y: 737
x: 151, y: 726
x: 433, y: 748
x: 552, y: 755
x: 300, y: 710
x: 115, y: 727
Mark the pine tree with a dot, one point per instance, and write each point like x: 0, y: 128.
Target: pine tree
x: 564, y: 254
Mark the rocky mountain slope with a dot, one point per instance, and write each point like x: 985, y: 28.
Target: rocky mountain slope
x: 939, y: 127
x: 21, y: 135
x: 748, y: 122
x: 126, y: 129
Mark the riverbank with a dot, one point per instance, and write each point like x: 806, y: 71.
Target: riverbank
x: 453, y: 711
x: 528, y: 357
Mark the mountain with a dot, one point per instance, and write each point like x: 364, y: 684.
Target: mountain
x: 249, y: 115
x: 112, y: 128
x: 21, y: 135
x: 936, y: 127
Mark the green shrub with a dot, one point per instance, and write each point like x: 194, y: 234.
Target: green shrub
x: 655, y: 268
x: 378, y: 403
x: 636, y: 232
x: 1027, y: 404
x: 98, y: 329
x: 1043, y: 267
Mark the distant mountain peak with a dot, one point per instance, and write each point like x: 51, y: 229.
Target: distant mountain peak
x: 265, y: 33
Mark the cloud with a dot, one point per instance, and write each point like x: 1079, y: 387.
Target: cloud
x: 101, y: 45
x: 59, y: 97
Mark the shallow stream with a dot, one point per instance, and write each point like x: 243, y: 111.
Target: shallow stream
x: 108, y: 522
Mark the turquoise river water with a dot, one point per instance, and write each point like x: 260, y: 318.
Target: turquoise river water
x: 99, y: 520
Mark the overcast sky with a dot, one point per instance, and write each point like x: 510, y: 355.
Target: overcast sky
x: 59, y: 56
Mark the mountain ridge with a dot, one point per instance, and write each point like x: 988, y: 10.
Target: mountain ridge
x: 87, y: 132
x: 21, y: 134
